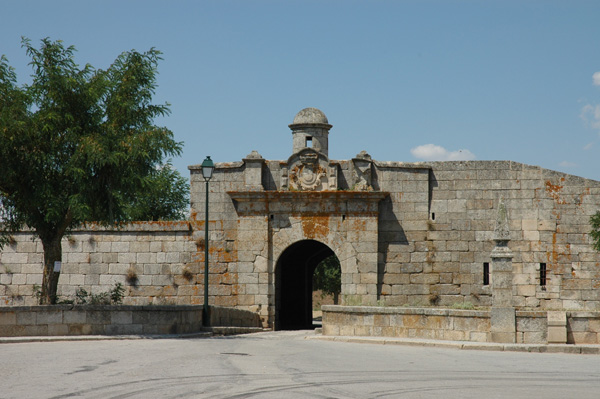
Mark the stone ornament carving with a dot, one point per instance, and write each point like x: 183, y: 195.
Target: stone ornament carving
x: 284, y: 178
x: 254, y: 155
x: 501, y: 233
x: 307, y: 176
x: 362, y: 172
x: 332, y: 180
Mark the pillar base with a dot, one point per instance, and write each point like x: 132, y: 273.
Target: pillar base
x: 503, y: 325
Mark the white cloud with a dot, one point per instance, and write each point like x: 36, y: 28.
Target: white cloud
x: 596, y: 78
x: 567, y: 164
x: 432, y: 152
x: 588, y: 146
x: 591, y: 115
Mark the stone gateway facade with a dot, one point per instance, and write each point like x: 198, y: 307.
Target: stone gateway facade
x: 496, y: 234
x: 405, y: 233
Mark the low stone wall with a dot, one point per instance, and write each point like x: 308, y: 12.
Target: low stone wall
x: 532, y: 327
x: 583, y: 327
x: 427, y: 323
x: 450, y: 324
x: 115, y: 320
x: 231, y: 317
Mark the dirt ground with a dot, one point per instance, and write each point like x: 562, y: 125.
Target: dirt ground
x: 318, y: 300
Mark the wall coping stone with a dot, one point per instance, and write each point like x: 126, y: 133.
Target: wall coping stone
x: 582, y: 314
x: 402, y: 165
x: 407, y: 310
x: 219, y: 165
x: 68, y: 307
x: 447, y: 311
x: 160, y: 226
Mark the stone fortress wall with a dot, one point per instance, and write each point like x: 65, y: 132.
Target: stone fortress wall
x: 436, y: 234
x: 405, y: 234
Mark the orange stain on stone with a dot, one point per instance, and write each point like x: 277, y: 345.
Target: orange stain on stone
x: 553, y: 191
x: 315, y: 226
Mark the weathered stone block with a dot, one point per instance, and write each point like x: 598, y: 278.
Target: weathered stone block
x: 121, y: 317
x: 50, y: 317
x: 503, y: 324
x: 8, y: 318
x: 74, y: 317
x: 58, y: 329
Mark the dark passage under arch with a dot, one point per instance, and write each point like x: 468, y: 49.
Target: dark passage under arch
x: 293, y: 284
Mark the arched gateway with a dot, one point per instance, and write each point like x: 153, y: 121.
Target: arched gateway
x: 281, y: 229
x: 282, y: 237
x: 293, y: 283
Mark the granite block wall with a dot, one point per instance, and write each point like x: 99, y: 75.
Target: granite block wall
x: 435, y: 241
x: 452, y: 324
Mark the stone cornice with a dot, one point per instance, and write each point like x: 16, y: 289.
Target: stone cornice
x: 308, y: 202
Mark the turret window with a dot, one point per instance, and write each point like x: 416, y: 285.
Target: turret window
x: 309, y: 142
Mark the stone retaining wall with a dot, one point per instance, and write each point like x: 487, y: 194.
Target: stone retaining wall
x: 115, y: 320
x: 451, y: 324
x: 583, y: 327
x: 155, y: 261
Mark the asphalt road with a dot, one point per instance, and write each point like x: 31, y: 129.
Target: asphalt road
x: 285, y: 365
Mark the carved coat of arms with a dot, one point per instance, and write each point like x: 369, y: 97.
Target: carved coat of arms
x: 308, y: 174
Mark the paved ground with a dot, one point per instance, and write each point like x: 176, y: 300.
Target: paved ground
x: 285, y: 365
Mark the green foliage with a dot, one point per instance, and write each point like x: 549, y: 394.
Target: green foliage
x: 80, y: 144
x: 117, y: 294
x: 112, y: 297
x: 352, y: 300
x: 37, y: 291
x: 328, y: 277
x: 81, y: 296
x: 595, y: 233
x: 165, y: 196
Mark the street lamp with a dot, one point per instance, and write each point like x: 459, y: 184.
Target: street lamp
x: 207, y: 170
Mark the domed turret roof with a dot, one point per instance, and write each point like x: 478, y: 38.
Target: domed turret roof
x: 310, y: 115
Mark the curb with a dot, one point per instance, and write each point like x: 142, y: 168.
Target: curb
x: 482, y: 346
x: 205, y: 333
x: 61, y: 338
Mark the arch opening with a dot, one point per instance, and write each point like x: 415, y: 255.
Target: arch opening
x: 294, y: 284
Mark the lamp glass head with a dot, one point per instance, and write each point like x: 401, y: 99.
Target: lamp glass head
x: 208, y: 167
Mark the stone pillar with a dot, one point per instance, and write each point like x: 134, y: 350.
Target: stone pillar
x: 253, y: 172
x: 503, y: 319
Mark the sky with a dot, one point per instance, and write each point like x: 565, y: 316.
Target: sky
x: 404, y: 80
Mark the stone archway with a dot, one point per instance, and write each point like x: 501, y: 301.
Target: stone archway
x: 293, y: 283
x: 271, y: 223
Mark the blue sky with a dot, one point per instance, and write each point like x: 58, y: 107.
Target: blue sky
x: 404, y: 80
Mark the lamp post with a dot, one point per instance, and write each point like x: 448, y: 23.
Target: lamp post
x: 207, y: 170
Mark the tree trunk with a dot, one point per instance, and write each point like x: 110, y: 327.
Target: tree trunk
x: 52, y: 254
x: 336, y: 297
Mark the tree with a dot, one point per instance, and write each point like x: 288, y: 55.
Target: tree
x: 595, y: 233
x: 328, y: 277
x: 165, y: 196
x: 77, y: 144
